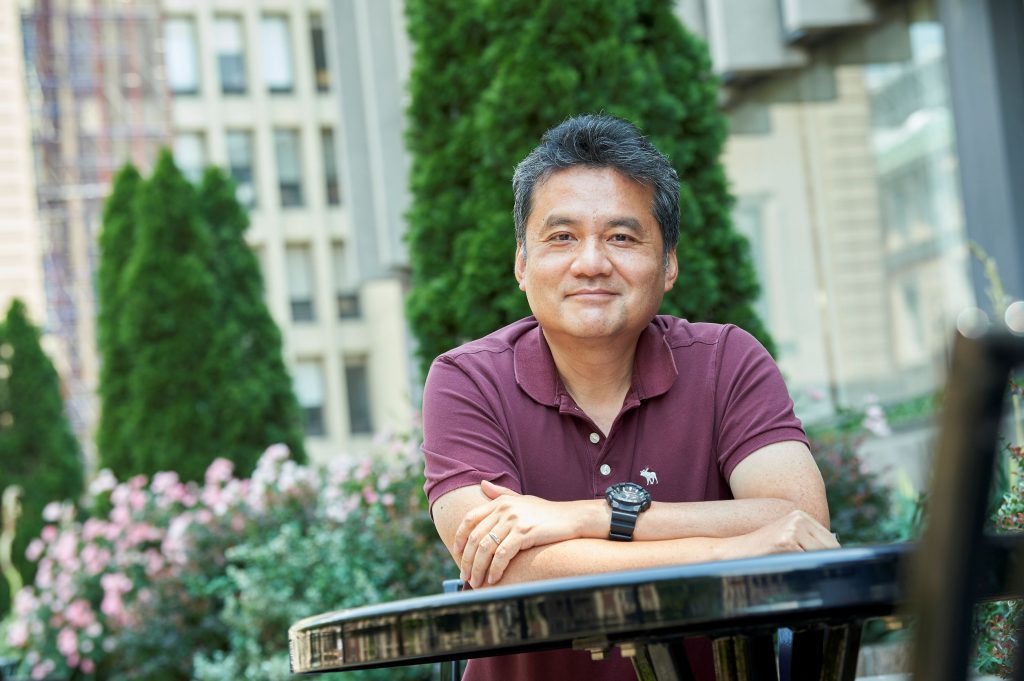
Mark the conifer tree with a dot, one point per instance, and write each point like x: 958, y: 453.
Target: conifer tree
x: 38, y: 450
x: 489, y: 77
x: 117, y: 241
x: 256, y: 406
x: 169, y: 324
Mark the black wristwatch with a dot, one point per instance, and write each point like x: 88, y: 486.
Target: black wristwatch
x: 628, y: 500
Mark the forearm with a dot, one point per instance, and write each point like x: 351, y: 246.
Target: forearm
x: 665, y: 520
x: 709, y: 518
x: 592, y: 556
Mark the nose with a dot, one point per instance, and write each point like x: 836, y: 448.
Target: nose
x: 591, y: 259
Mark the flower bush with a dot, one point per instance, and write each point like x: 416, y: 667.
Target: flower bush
x: 859, y: 503
x: 997, y: 623
x: 161, y: 579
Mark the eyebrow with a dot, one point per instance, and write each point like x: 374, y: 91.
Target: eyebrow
x: 556, y: 219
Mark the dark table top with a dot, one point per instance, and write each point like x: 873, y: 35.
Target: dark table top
x: 722, y: 598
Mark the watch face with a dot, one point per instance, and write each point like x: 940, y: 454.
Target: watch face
x: 628, y: 493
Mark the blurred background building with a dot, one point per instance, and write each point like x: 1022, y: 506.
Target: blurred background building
x: 847, y: 156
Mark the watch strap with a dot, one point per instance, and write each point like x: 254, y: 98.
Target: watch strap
x: 623, y: 524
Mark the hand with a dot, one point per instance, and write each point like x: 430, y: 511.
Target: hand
x: 795, y: 531
x: 519, y: 522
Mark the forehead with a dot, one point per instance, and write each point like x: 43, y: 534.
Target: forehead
x: 582, y: 193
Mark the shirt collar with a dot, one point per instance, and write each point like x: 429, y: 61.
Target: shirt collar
x: 654, y: 369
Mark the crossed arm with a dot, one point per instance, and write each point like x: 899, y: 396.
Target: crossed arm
x: 779, y: 506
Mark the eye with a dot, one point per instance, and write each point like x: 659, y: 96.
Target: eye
x: 622, y: 238
x: 562, y: 236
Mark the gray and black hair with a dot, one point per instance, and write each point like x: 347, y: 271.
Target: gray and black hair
x: 600, y: 141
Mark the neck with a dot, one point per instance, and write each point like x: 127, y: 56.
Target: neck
x: 597, y: 374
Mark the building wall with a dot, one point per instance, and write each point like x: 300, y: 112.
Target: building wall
x: 21, y: 264
x: 346, y: 320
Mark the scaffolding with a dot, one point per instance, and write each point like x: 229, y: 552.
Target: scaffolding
x: 98, y: 99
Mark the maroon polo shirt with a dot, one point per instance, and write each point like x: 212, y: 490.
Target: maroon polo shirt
x: 703, y: 397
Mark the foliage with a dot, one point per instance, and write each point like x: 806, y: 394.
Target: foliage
x: 38, y: 451
x: 489, y: 77
x: 997, y: 623
x: 257, y: 405
x: 192, y: 365
x: 117, y: 242
x: 201, y: 580
x: 858, y: 501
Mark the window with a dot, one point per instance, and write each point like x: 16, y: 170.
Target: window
x: 228, y: 41
x: 332, y: 185
x: 300, y: 283
x: 278, y: 74
x: 240, y: 165
x: 347, y: 298
x: 358, y: 387
x: 182, y: 60
x: 320, y: 73
x: 289, y: 173
x: 308, y: 381
x: 190, y: 155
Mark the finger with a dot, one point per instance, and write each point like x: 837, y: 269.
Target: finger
x: 468, y: 524
x: 509, y: 548
x: 478, y: 547
x: 482, y: 561
x: 494, y: 491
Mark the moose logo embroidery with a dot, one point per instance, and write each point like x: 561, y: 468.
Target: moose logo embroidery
x: 651, y: 477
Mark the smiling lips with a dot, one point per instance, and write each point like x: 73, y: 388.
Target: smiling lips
x: 591, y: 293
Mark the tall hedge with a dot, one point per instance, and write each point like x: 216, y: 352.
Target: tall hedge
x: 256, y: 406
x: 169, y: 325
x: 38, y: 450
x: 117, y: 242
x: 489, y: 77
x: 192, y: 365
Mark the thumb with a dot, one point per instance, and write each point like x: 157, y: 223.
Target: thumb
x: 493, y: 491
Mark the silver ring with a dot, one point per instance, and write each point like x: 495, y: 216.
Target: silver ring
x: 494, y: 538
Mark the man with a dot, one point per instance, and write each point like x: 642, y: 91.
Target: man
x: 596, y: 435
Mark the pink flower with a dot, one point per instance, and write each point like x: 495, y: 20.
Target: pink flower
x: 388, y: 499
x: 104, y: 482
x: 65, y: 548
x: 17, y: 635
x: 24, y: 603
x: 79, y: 614
x: 34, y: 550
x: 67, y: 642
x: 112, y: 605
x: 137, y: 499
x: 94, y: 559
x: 164, y: 482
x: 370, y: 495
x: 219, y: 471
x: 88, y: 666
x: 275, y: 453
x: 93, y: 528
x: 51, y: 512
x: 49, y: 533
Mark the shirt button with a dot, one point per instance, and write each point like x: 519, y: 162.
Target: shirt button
x: 605, y: 469
x: 595, y: 438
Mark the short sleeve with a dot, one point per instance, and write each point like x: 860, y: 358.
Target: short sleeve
x: 465, y: 432
x: 753, y: 408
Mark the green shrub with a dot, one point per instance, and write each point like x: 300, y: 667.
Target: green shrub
x: 180, y: 580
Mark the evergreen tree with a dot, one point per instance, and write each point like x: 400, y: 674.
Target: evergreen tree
x: 38, y: 450
x: 256, y: 406
x: 117, y: 241
x: 489, y: 77
x: 169, y: 324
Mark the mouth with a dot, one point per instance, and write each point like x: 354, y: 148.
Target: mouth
x: 592, y: 294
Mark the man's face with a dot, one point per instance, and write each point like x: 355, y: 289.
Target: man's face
x: 593, y: 267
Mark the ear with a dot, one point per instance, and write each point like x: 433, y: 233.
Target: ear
x: 671, y: 271
x: 520, y: 267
